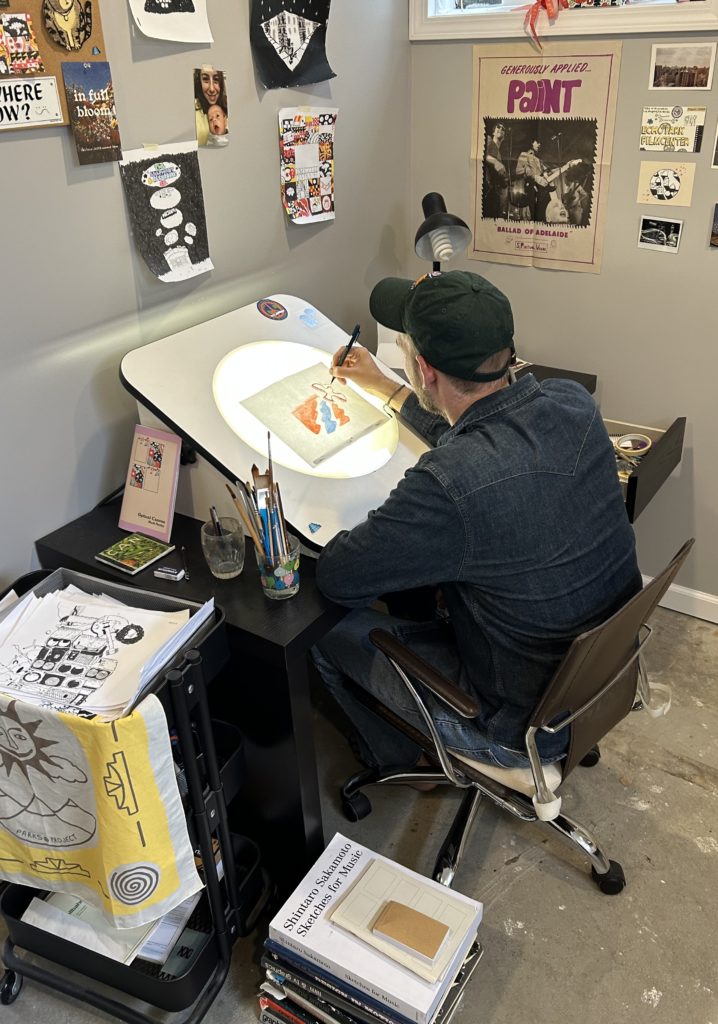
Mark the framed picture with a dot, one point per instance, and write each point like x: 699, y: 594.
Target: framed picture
x: 469, y: 19
x: 715, y: 152
x: 660, y: 234
x: 682, y: 66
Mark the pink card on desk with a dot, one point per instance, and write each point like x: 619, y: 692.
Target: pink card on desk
x: 148, y: 504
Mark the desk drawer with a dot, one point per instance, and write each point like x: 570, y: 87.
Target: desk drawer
x: 655, y: 467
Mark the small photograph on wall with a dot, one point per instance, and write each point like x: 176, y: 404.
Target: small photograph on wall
x: 665, y: 183
x: 715, y: 152
x: 211, y: 109
x: 682, y: 66
x: 660, y: 234
x: 714, y: 229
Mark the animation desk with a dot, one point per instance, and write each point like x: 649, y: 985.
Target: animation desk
x: 194, y: 381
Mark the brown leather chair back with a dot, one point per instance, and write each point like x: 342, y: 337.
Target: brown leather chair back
x: 592, y: 661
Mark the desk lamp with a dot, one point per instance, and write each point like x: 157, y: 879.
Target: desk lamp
x: 442, y: 235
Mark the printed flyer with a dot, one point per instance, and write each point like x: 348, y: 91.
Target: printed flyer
x: 541, y: 153
x: 672, y: 129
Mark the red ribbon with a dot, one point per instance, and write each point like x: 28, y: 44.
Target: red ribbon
x: 551, y: 7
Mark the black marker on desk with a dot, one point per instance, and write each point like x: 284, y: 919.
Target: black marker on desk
x: 345, y: 353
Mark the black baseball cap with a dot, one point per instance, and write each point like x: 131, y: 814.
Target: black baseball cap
x: 455, y: 319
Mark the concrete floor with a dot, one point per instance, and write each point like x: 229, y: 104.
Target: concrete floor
x: 556, y: 949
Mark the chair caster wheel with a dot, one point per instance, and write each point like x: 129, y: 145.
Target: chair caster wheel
x: 356, y: 807
x: 613, y: 881
x: 591, y: 759
x: 10, y: 987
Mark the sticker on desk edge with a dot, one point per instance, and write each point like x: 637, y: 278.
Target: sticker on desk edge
x: 272, y: 309
x: 313, y: 527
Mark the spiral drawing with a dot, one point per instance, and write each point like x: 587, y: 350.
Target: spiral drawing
x: 133, y: 883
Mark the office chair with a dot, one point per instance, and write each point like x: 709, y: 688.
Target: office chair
x: 599, y: 681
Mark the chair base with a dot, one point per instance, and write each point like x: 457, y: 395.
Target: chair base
x: 607, y: 874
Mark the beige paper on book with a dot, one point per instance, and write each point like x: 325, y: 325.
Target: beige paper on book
x: 411, y: 930
x: 381, y: 882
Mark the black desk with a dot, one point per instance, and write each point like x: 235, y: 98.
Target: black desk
x: 265, y: 690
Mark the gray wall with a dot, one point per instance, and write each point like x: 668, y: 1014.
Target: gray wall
x: 646, y: 325
x: 76, y: 297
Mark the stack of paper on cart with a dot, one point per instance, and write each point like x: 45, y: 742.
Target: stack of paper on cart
x: 364, y: 939
x: 88, y: 654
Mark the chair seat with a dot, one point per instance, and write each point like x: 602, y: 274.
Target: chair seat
x: 519, y: 779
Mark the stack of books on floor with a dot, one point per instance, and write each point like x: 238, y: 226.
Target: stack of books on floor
x: 364, y: 940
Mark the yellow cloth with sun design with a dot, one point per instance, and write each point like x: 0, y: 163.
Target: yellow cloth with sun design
x: 92, y: 808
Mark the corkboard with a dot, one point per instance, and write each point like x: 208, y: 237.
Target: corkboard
x: 52, y: 54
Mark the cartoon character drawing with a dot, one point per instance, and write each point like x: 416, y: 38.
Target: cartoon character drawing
x: 40, y: 787
x: 68, y: 22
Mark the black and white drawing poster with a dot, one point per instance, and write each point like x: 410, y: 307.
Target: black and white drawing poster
x: 289, y: 42
x: 542, y: 138
x: 163, y: 189
x: 185, y: 21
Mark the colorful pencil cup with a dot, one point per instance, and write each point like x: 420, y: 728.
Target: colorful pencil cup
x: 280, y: 579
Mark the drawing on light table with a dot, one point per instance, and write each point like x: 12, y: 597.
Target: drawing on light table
x: 314, y: 417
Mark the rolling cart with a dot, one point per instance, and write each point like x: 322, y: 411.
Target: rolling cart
x: 211, y: 755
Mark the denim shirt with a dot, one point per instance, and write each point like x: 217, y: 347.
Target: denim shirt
x: 517, y: 515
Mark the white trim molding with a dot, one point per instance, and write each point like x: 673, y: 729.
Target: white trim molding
x: 500, y: 22
x: 689, y: 602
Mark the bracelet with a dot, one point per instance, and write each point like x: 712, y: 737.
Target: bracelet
x: 387, y: 404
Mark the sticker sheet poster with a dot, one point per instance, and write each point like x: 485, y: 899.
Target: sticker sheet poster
x: 672, y: 129
x: 306, y: 146
x: 163, y: 189
x: 542, y: 138
x: 314, y: 417
x: 288, y: 40
x: 184, y: 21
x: 665, y: 184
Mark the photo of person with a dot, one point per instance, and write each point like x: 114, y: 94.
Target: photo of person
x: 218, y: 125
x: 210, y: 90
x: 539, y: 170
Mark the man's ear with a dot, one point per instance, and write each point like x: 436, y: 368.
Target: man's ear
x: 427, y: 371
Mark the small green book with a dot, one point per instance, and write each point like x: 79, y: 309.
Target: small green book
x: 134, y: 553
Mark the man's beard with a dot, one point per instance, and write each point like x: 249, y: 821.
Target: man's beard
x: 412, y: 372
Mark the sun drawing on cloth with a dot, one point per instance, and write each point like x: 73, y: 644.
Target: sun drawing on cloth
x: 322, y: 411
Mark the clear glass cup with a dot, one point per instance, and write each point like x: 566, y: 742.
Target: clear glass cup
x: 281, y: 579
x: 224, y: 554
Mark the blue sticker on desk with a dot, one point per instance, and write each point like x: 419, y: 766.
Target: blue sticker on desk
x: 313, y: 527
x: 272, y: 310
x: 310, y: 317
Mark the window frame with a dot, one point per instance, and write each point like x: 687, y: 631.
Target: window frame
x: 697, y: 16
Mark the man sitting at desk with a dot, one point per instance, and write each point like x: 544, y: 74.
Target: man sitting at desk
x: 514, y: 518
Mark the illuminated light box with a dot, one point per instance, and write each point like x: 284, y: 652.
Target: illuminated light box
x: 239, y: 383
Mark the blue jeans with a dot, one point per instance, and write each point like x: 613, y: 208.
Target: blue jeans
x: 346, y: 653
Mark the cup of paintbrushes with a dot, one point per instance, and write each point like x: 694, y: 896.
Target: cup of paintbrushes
x: 279, y: 573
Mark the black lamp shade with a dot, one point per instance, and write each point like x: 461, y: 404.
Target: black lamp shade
x: 442, y: 235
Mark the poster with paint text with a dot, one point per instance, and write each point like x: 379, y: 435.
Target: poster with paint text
x: 36, y: 38
x: 288, y: 40
x: 315, y: 417
x: 306, y: 149
x: 163, y: 189
x: 184, y: 21
x: 542, y: 138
